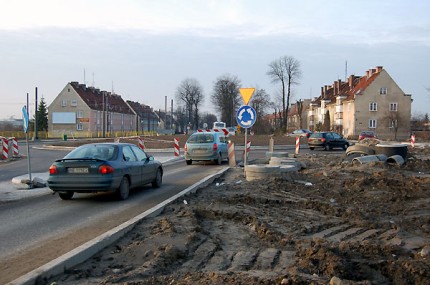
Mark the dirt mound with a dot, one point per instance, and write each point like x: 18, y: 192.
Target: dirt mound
x: 362, y: 224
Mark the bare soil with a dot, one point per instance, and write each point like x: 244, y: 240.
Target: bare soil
x: 334, y: 222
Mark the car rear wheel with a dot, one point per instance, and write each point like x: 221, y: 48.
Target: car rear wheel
x: 189, y: 162
x: 219, y: 159
x: 66, y: 195
x: 158, y: 179
x: 327, y: 146
x: 345, y: 146
x: 311, y: 148
x: 124, y: 189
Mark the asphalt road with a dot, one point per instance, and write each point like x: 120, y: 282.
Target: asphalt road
x: 36, y: 230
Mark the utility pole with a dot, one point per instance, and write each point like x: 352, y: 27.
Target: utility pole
x: 103, y: 115
x: 36, y: 137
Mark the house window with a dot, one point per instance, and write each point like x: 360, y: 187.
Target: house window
x: 393, y: 124
x: 79, y: 114
x: 383, y: 90
x: 63, y: 103
x: 73, y: 103
x: 393, y: 107
x: 79, y: 127
x: 373, y: 106
x: 372, y: 124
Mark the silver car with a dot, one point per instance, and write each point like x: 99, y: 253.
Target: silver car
x: 206, y: 146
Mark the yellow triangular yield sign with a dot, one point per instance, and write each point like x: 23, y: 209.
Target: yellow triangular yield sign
x: 246, y: 94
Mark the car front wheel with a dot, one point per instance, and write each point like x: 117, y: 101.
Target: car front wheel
x: 189, y: 162
x: 124, y: 189
x: 158, y: 179
x: 326, y: 146
x: 66, y: 195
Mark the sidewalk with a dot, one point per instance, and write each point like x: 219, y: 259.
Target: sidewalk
x: 15, y: 190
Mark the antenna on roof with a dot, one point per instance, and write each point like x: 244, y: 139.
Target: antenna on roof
x: 84, y: 75
x: 94, y: 84
x: 346, y: 70
x: 113, y: 92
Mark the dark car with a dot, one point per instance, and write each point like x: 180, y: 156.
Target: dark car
x: 206, y: 146
x: 366, y: 134
x: 104, y: 167
x: 300, y: 133
x: 327, y: 140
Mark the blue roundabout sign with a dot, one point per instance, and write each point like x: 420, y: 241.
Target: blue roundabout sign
x: 246, y: 116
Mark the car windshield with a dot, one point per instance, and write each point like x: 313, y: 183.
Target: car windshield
x: 201, y: 138
x: 104, y: 152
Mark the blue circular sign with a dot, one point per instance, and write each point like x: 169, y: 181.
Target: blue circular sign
x: 246, y: 116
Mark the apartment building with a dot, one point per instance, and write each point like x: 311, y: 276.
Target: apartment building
x: 373, y: 101
x: 87, y: 111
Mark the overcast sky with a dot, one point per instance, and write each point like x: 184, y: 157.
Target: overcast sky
x: 143, y: 49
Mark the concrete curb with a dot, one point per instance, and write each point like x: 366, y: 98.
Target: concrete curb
x: 85, y: 251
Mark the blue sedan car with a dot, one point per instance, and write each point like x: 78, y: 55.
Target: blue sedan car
x: 104, y: 167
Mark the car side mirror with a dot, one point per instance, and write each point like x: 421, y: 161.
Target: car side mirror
x: 150, y: 158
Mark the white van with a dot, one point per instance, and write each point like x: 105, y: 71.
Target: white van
x: 219, y: 126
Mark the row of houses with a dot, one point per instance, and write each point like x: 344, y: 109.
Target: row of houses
x: 87, y: 110
x: 373, y: 102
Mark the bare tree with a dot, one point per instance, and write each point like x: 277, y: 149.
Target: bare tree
x: 226, y: 97
x: 190, y: 93
x: 394, y: 124
x: 287, y: 71
x: 260, y: 102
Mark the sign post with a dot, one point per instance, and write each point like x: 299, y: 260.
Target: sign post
x: 25, y: 128
x: 246, y: 116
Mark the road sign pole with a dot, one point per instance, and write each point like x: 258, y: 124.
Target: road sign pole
x: 244, y: 154
x: 30, y: 185
x: 25, y: 125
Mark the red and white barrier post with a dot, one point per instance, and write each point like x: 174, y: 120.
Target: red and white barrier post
x: 15, y: 146
x: 5, y: 148
x: 297, y: 145
x: 231, y: 155
x: 176, y: 145
x: 412, y: 140
x: 141, y: 143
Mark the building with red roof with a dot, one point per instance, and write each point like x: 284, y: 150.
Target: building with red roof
x: 371, y: 102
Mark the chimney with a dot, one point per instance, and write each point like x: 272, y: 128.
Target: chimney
x: 335, y: 87
x: 351, y: 81
x: 339, y: 83
x: 322, y: 91
x: 325, y: 91
x: 367, y: 74
x: 378, y: 69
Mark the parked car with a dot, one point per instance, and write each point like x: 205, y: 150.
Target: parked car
x: 300, y: 133
x: 206, y: 146
x: 327, y: 140
x: 104, y: 167
x: 366, y: 134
